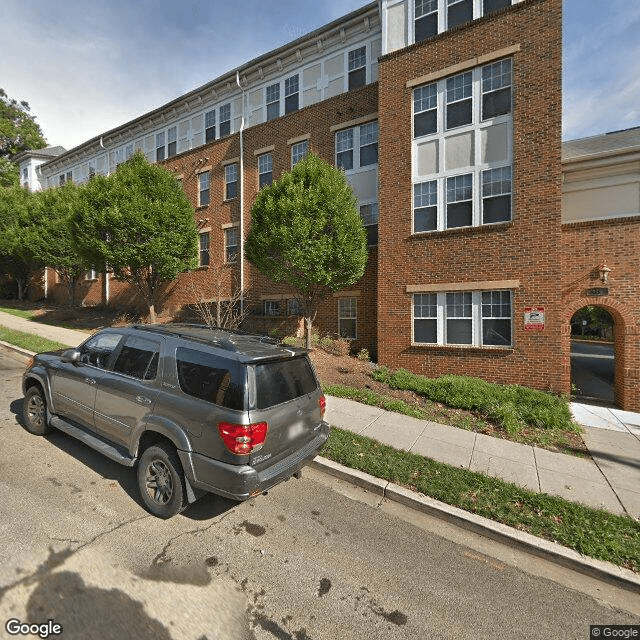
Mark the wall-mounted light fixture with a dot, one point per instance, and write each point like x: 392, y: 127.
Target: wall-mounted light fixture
x: 604, y: 271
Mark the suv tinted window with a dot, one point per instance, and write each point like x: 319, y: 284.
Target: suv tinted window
x: 138, y: 358
x: 97, y: 350
x: 210, y: 378
x: 283, y: 380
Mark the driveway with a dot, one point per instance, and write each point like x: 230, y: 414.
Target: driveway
x: 593, y: 370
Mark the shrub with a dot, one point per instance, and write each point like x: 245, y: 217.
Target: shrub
x: 363, y: 355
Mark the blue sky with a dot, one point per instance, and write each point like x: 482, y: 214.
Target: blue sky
x: 86, y: 67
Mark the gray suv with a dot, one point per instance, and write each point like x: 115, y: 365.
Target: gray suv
x: 196, y: 409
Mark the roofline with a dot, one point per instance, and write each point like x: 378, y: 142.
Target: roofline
x: 229, y: 76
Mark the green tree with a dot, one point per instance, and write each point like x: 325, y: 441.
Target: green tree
x: 138, y: 222
x: 49, y: 236
x: 306, y: 231
x: 18, y: 132
x: 16, y: 205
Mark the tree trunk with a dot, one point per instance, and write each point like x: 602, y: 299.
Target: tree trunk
x: 152, y: 313
x: 20, y: 289
x: 308, y: 323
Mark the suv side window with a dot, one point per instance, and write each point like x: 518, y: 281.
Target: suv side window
x: 208, y: 377
x: 97, y: 350
x: 138, y: 359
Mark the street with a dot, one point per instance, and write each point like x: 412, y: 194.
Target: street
x: 313, y: 559
x: 593, y: 369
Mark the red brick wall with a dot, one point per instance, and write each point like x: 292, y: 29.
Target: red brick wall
x: 615, y: 243
x: 526, y: 249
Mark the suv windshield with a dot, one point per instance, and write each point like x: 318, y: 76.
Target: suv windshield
x: 283, y: 380
x: 205, y: 376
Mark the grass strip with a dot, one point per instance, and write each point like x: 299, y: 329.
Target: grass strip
x: 592, y: 532
x: 21, y: 313
x: 513, y: 407
x: 29, y: 341
x: 373, y: 399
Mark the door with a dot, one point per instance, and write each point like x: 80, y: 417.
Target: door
x: 73, y: 385
x: 127, y: 393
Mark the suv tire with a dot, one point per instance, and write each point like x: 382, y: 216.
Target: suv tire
x: 34, y: 412
x: 161, y: 481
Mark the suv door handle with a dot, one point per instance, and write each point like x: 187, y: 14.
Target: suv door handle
x: 143, y: 400
x: 90, y: 380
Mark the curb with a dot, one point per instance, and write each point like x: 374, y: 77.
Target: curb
x: 19, y: 350
x: 552, y: 551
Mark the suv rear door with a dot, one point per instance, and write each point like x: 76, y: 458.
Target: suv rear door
x: 127, y: 394
x: 286, y: 395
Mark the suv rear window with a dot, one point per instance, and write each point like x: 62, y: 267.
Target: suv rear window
x: 205, y: 376
x: 283, y: 380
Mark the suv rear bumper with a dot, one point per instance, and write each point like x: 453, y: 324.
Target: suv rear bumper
x: 241, y: 482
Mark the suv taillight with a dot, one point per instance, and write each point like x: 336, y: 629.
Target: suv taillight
x: 323, y: 406
x: 242, y: 439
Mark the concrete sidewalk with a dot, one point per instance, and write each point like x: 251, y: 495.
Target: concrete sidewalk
x: 611, y: 480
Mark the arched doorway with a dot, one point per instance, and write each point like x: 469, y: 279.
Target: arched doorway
x: 593, y: 355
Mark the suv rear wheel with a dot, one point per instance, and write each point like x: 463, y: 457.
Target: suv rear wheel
x: 34, y: 412
x: 161, y: 481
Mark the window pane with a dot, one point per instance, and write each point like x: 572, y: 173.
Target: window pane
x: 459, y: 214
x: 357, y: 78
x: 135, y: 358
x: 459, y: 114
x: 459, y: 332
x: 425, y: 219
x: 291, y: 103
x: 345, y: 160
x: 459, y: 12
x: 273, y: 111
x: 496, y: 332
x: 494, y: 5
x: 425, y: 123
x: 357, y: 58
x: 425, y: 331
x: 426, y: 27
x: 425, y: 305
x: 496, y: 209
x: 204, y: 376
x: 496, y: 103
x: 368, y: 155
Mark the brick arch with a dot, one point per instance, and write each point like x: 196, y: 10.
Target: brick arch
x: 627, y: 349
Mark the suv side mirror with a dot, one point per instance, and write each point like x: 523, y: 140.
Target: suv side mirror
x: 72, y: 356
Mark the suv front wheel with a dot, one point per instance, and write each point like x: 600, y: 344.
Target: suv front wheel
x: 161, y: 481
x: 34, y: 411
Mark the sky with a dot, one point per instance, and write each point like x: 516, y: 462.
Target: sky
x: 86, y: 67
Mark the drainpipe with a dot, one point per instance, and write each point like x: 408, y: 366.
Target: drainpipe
x: 241, y: 197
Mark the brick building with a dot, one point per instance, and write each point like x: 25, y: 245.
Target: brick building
x: 446, y: 118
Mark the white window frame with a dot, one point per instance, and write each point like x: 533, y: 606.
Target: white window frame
x: 232, y: 233
x: 356, y: 61
x: 291, y: 89
x: 296, y: 151
x: 476, y: 168
x: 231, y: 176
x: 441, y: 316
x: 209, y: 126
x: 272, y: 101
x: 265, y: 167
x: 225, y: 109
x: 443, y: 14
x: 354, y: 137
x: 201, y: 236
x: 270, y: 306
x: 160, y: 146
x: 367, y: 223
x: 204, y: 188
x: 350, y: 313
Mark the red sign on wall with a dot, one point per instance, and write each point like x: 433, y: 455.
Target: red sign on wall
x: 534, y: 318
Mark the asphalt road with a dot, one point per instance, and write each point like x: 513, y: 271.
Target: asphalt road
x: 593, y: 369
x: 314, y: 559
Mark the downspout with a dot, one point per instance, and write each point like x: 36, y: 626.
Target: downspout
x: 241, y: 197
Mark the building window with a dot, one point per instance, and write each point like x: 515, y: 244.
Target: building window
x: 357, y: 68
x: 496, y: 89
x: 459, y: 100
x: 369, y: 215
x: 460, y: 201
x: 203, y: 253
x: 298, y: 151
x: 347, y: 318
x: 496, y: 195
x: 291, y: 94
x: 231, y: 181
x: 478, y: 318
x: 426, y: 19
x: 69, y: 176
x: 61, y: 179
x: 225, y: 120
x: 459, y: 12
x: 210, y: 125
x: 231, y: 244
x: 204, y: 181
x: 92, y: 172
x: 425, y: 206
x: 344, y: 149
x: 489, y: 6
x: 160, y: 146
x: 425, y: 110
x: 172, y: 142
x: 273, y: 101
x: 294, y: 307
x: 357, y: 147
x: 25, y: 173
x: 272, y: 308
x: 265, y: 169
